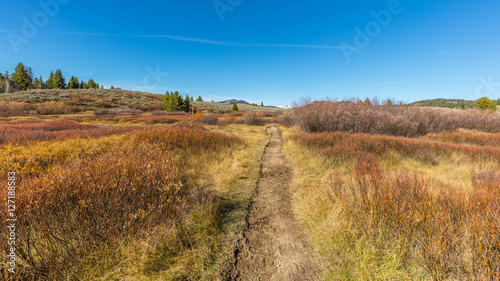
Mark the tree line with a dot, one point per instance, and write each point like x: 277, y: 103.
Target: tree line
x: 173, y: 101
x: 23, y: 79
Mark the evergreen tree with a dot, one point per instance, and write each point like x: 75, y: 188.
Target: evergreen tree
x: 262, y: 103
x: 186, y: 105
x: 112, y: 88
x: 235, y: 107
x: 83, y: 85
x: 199, y: 98
x: 167, y: 102
x: 41, y: 84
x: 173, y: 102
x: 58, y: 81
x: 91, y: 84
x: 73, y: 83
x: 50, y: 81
x: 23, y: 77
x: 35, y: 83
x: 192, y: 99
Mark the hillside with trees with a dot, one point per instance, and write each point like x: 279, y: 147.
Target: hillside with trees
x: 23, y: 79
x: 449, y: 103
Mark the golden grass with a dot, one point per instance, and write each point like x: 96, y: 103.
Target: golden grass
x: 215, y: 173
x: 358, y: 232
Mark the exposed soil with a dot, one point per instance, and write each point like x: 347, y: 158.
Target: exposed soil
x: 272, y: 247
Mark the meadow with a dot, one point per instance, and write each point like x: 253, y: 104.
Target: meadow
x: 101, y: 201
x: 398, y: 192
x: 383, y: 192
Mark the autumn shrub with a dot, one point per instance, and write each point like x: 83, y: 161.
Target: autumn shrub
x: 396, y: 120
x: 339, y: 143
x: 52, y: 107
x: 80, y: 200
x: 95, y: 202
x: 159, y: 113
x: 466, y: 137
x: 210, y: 119
x: 27, y: 131
x: 452, y: 235
x: 193, y: 141
x: 252, y: 119
x: 14, y: 108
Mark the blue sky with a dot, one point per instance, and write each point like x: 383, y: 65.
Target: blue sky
x: 271, y: 51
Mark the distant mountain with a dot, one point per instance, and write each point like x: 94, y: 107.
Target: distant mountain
x: 284, y: 106
x: 233, y: 101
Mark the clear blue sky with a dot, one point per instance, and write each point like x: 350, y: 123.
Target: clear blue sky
x: 261, y: 50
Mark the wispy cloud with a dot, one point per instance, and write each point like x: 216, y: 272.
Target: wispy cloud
x: 191, y: 39
x: 465, y: 54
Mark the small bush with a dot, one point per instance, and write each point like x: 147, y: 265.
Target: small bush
x: 52, y: 107
x: 209, y: 119
x: 252, y: 119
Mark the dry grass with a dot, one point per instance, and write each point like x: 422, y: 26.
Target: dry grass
x: 392, y: 208
x: 161, y: 203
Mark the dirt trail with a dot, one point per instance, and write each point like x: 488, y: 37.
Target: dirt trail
x: 272, y: 247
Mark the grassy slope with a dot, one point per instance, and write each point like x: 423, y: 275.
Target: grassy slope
x: 242, y: 107
x: 115, y: 98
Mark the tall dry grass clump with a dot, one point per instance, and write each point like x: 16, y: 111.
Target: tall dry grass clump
x: 450, y: 234
x: 389, y: 119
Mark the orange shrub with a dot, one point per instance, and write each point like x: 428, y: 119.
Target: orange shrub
x: 401, y: 120
x: 344, y: 144
x: 454, y: 235
x: 51, y: 107
x: 467, y: 137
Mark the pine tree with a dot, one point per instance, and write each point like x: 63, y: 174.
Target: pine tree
x: 235, y: 107
x: 50, y: 81
x: 73, y: 83
x: 186, y: 105
x: 192, y: 99
x: 112, y: 88
x: 83, y: 85
x: 91, y: 84
x: 22, y: 78
x: 167, y: 102
x: 199, y: 98
x: 35, y: 83
x: 262, y: 103
x: 58, y: 82
x: 41, y: 84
